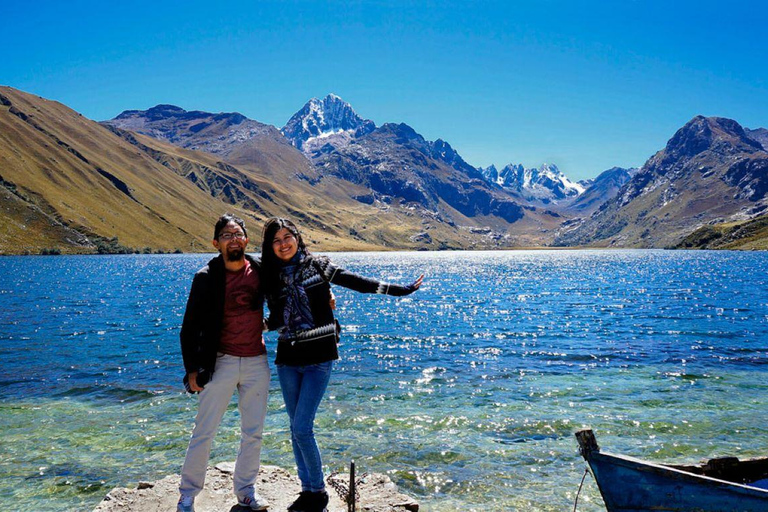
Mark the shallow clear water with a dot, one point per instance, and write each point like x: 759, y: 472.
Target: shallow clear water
x: 466, y: 393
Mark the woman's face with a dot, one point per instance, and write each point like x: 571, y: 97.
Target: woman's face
x: 285, y: 245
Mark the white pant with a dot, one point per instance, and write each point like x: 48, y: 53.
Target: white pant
x: 250, y: 375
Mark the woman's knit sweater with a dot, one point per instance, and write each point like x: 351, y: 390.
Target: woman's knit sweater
x: 317, y: 344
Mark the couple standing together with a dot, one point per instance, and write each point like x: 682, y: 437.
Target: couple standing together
x: 223, y: 350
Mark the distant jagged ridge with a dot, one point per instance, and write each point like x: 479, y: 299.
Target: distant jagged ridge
x: 394, y: 162
x: 759, y: 135
x: 545, y: 184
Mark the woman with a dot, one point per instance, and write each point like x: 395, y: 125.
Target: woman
x: 297, y: 286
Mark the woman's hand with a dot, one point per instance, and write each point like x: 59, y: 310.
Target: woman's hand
x: 413, y: 286
x: 398, y: 290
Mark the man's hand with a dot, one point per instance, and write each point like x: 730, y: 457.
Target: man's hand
x: 332, y: 302
x: 192, y: 376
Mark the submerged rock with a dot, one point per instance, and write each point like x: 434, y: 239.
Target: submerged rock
x: 377, y: 493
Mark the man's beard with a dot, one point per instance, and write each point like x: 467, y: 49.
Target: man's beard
x: 235, y: 254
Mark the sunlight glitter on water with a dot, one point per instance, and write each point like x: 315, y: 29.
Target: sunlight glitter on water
x: 467, y: 393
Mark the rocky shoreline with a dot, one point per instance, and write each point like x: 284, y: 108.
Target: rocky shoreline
x: 376, y: 493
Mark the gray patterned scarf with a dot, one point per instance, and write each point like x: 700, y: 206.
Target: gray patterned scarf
x: 297, y: 315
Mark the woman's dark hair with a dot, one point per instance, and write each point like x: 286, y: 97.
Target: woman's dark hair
x: 226, y: 219
x: 270, y: 263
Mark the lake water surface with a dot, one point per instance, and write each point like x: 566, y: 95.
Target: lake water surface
x: 467, y: 393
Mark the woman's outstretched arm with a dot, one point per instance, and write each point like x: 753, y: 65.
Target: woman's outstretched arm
x: 342, y: 277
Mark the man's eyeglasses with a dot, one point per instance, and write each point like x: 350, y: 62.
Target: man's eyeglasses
x: 229, y: 236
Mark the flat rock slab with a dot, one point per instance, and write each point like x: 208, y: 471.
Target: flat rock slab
x: 377, y: 493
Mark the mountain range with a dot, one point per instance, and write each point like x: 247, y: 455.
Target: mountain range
x: 388, y: 169
x: 154, y: 180
x: 399, y: 166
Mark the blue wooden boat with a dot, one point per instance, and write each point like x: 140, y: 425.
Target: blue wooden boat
x: 628, y: 484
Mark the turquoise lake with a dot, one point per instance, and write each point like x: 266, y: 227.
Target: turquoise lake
x: 466, y: 393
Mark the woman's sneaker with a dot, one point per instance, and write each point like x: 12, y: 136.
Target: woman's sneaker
x: 254, y: 502
x: 186, y: 504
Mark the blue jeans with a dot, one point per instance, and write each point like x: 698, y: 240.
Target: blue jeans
x: 303, y: 388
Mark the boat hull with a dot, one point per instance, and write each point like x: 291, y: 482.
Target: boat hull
x: 632, y: 485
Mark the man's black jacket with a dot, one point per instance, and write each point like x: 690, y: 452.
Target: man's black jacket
x: 203, y: 318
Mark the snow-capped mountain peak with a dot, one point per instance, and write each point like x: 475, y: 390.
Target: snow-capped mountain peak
x: 552, y: 173
x: 330, y: 120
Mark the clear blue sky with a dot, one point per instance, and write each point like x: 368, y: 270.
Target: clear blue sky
x: 583, y: 85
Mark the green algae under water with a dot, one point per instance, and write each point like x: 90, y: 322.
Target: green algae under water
x: 467, y: 394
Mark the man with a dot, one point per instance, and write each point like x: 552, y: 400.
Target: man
x: 223, y: 350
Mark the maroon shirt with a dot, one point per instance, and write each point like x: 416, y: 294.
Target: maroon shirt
x: 242, y: 327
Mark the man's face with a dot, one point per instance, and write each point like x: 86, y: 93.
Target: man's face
x: 231, y: 242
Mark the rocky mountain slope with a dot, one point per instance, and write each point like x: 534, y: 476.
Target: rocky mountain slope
x: 212, y: 133
x: 231, y: 137
x: 326, y: 208
x: 599, y: 190
x: 746, y: 235
x: 398, y: 165
x: 710, y: 172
